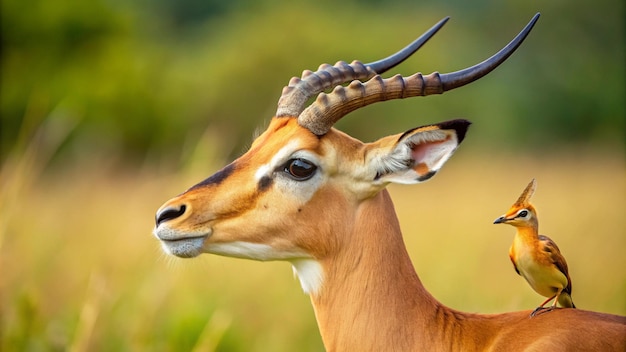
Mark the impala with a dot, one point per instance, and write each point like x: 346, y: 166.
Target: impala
x: 311, y: 195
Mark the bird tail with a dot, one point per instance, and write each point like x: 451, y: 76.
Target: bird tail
x: 565, y: 300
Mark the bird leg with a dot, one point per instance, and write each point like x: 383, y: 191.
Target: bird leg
x: 541, y: 307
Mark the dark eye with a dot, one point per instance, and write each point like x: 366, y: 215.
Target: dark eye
x: 523, y: 213
x: 300, y: 169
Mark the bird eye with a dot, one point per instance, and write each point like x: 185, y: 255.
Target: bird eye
x: 523, y: 213
x: 300, y: 169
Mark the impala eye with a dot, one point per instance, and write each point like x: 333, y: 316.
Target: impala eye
x: 300, y: 169
x: 522, y: 214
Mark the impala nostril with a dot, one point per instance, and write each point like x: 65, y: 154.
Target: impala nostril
x: 169, y: 213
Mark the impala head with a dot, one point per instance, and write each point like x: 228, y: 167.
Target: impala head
x: 522, y: 213
x: 301, y: 180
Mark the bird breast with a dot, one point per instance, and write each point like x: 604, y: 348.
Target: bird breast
x: 536, y: 267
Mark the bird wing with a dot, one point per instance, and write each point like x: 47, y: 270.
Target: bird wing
x: 552, y: 250
x: 512, y: 257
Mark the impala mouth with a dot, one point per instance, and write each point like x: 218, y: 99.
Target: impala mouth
x: 179, y: 244
x: 187, y: 247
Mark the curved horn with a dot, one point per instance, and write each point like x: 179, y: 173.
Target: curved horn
x: 381, y: 66
x: 320, y: 116
x: 471, y: 74
x: 299, y: 90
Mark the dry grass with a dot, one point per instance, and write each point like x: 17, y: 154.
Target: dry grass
x: 81, y: 270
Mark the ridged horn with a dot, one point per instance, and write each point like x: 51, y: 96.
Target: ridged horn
x: 300, y: 90
x: 322, y: 114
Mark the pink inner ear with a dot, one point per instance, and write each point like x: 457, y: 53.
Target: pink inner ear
x: 418, y: 152
x: 421, y: 152
x: 426, y: 155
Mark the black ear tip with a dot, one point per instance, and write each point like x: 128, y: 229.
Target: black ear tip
x: 459, y: 125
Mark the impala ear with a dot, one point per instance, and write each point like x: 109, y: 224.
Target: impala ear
x: 419, y: 153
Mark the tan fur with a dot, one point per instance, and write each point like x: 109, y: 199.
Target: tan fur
x: 371, y: 299
x: 337, y: 225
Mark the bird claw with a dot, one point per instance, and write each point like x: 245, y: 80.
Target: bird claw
x: 540, y: 310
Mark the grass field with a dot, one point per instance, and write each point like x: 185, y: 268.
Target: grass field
x: 80, y: 269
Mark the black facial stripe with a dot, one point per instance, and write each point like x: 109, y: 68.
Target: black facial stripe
x: 264, y: 183
x: 217, y: 177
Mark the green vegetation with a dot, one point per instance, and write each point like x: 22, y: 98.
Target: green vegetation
x: 145, y: 79
x: 108, y: 108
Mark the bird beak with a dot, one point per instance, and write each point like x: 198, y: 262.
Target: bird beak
x: 500, y: 220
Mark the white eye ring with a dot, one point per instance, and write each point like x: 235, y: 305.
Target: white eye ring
x: 523, y: 213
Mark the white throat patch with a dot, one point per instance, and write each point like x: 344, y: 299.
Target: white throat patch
x: 310, y: 273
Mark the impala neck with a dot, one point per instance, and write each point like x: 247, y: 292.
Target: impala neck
x: 371, y: 294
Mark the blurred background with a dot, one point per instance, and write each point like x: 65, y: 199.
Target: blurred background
x: 110, y: 107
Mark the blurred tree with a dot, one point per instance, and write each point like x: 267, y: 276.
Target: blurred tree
x: 148, y: 78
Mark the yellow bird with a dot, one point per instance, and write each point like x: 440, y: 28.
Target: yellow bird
x: 536, y: 257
